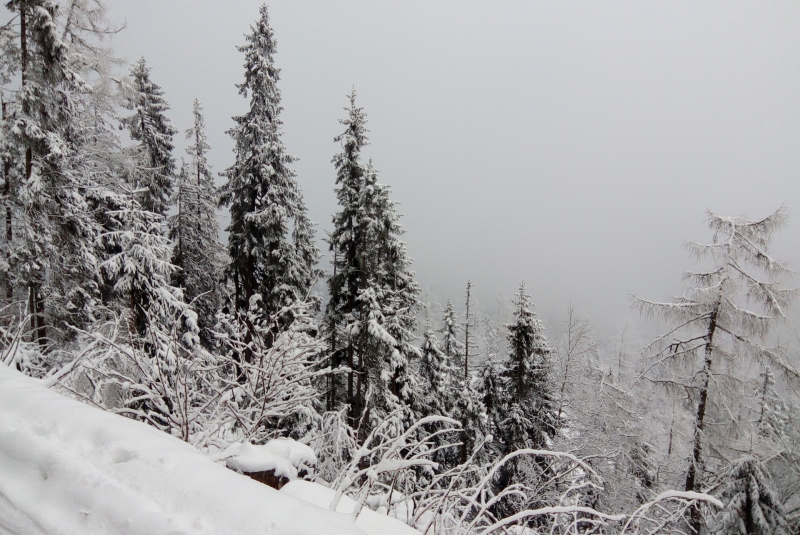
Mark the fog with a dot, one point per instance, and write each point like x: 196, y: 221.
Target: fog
x: 573, y: 145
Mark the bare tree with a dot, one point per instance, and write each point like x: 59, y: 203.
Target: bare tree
x: 721, y: 322
x: 576, y: 346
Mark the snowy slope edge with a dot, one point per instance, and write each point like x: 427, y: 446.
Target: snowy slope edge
x: 68, y: 468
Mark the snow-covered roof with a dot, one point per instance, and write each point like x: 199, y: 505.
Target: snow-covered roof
x: 68, y: 468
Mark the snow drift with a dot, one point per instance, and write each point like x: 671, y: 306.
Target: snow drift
x: 68, y: 468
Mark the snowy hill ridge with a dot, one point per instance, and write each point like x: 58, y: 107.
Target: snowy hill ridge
x: 68, y: 468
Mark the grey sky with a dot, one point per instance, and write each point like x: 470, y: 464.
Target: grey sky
x: 575, y: 145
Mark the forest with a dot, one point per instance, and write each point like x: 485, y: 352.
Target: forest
x: 121, y: 290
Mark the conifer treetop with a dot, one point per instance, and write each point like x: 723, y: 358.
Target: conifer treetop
x: 271, y: 242
x: 150, y: 126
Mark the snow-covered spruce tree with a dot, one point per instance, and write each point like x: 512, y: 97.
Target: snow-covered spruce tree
x: 271, y: 242
x: 94, y: 164
x: 370, y: 317
x: 441, y: 369
x: 195, y: 231
x: 716, y: 328
x: 347, y: 244
x: 139, y: 268
x: 529, y: 411
x: 452, y: 346
x: 392, y: 277
x: 150, y: 126
x: 36, y: 132
x: 492, y: 375
x: 52, y: 232
x: 528, y: 374
x: 468, y: 406
x: 436, y: 397
x: 10, y: 159
x: 752, y: 507
x: 773, y: 413
x: 144, y: 361
x: 435, y: 377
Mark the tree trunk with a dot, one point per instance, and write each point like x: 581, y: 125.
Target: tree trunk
x: 31, y: 311
x: 360, y: 385
x: 695, y: 473
x: 466, y: 336
x: 41, y: 327
x: 465, y: 442
x: 350, y: 397
x: 334, y: 356
x: 35, y: 305
x: 7, y: 197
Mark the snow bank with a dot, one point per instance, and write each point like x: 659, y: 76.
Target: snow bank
x: 249, y: 458
x: 284, y: 456
x: 369, y: 521
x: 68, y: 468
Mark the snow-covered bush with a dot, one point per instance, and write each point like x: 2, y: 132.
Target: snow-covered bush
x: 265, y: 373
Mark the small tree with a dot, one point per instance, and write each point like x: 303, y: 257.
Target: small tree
x: 452, y: 346
x: 139, y: 269
x: 435, y: 377
x: 195, y: 231
x: 773, y: 413
x: 752, y: 507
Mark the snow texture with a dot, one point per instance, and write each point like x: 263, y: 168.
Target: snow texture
x: 369, y: 521
x: 68, y: 468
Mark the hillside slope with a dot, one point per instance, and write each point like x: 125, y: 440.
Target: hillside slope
x: 68, y: 468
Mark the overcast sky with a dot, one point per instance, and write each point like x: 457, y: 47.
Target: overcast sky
x: 574, y: 145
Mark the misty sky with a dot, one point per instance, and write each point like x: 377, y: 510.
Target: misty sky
x: 574, y: 145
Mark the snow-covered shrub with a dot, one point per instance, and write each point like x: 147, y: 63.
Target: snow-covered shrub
x: 334, y: 442
x: 158, y: 378
x: 265, y: 373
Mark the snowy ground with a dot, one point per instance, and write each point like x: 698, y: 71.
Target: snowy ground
x: 68, y: 468
x: 369, y: 521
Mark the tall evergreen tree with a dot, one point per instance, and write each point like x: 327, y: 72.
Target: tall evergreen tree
x: 528, y: 381
x: 347, y: 245
x: 373, y: 295
x: 195, y: 231
x: 38, y: 129
x: 50, y: 169
x: 150, y: 126
x: 271, y: 242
